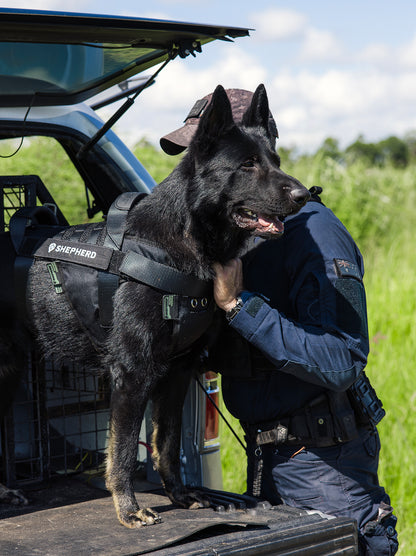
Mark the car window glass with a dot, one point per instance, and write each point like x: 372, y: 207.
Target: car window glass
x: 45, y: 157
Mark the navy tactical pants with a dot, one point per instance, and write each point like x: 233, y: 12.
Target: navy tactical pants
x: 339, y: 480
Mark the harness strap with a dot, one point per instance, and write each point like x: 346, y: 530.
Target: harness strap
x: 132, y: 265
x: 163, y: 277
x: 109, y: 257
x: 107, y: 287
x: 107, y: 236
x: 116, y: 217
x: 190, y: 317
x: 25, y: 215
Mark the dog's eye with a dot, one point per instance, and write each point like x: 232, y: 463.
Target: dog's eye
x: 249, y: 162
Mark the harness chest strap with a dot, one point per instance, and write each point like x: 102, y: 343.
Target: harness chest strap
x: 131, y: 265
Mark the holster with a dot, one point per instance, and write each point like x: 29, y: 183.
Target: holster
x: 367, y: 406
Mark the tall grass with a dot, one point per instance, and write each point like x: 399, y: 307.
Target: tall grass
x: 392, y: 367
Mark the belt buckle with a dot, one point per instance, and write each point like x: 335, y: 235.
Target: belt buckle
x: 278, y: 435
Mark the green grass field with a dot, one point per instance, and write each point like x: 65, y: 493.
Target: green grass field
x: 378, y: 207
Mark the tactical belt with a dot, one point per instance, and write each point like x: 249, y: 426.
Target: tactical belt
x: 330, y: 419
x: 327, y: 420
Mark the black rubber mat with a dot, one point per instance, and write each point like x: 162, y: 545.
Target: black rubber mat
x: 56, y: 526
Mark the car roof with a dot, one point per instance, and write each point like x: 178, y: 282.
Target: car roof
x: 54, y: 58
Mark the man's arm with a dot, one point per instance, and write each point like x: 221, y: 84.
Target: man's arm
x: 327, y: 356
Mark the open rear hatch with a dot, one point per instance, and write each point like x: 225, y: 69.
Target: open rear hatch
x: 57, y: 58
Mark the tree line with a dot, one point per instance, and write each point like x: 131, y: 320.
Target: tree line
x: 393, y: 151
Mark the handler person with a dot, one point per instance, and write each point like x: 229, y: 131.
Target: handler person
x: 292, y: 356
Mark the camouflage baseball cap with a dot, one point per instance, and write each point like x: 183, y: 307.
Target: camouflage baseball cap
x: 177, y: 141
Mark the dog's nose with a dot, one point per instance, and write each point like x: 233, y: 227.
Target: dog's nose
x: 300, y: 195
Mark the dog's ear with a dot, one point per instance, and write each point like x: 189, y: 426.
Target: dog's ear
x: 257, y: 115
x: 215, y: 121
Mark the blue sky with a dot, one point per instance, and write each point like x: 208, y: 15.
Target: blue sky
x: 336, y: 69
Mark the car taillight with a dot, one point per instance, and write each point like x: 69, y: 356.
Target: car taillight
x: 211, y: 413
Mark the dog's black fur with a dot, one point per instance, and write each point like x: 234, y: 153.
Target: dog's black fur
x: 199, y: 215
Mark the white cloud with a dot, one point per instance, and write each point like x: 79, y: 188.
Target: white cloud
x: 376, y: 54
x: 403, y: 89
x: 310, y: 107
x: 406, y: 55
x: 163, y: 106
x: 312, y: 44
x: 320, y: 45
x: 278, y: 24
x: 389, y: 58
x: 369, y: 92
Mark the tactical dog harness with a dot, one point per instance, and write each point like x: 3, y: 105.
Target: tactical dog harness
x: 87, y: 263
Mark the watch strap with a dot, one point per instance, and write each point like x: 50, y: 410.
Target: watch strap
x: 241, y: 299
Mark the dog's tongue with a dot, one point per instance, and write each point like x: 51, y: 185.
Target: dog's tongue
x: 271, y: 226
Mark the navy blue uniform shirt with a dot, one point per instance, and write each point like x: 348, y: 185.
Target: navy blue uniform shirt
x: 313, y: 328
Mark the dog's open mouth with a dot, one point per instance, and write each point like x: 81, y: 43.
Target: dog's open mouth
x: 257, y: 223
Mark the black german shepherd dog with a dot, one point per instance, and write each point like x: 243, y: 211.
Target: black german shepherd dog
x: 227, y: 187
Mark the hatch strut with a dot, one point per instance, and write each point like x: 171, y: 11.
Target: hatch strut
x: 184, y: 48
x: 220, y: 412
x: 123, y: 108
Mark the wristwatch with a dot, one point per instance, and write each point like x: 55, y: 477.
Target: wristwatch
x: 241, y: 299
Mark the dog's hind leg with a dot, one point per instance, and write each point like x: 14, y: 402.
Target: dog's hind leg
x: 167, y: 417
x: 128, y: 402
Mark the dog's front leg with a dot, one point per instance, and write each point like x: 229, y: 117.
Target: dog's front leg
x: 128, y: 403
x: 167, y: 418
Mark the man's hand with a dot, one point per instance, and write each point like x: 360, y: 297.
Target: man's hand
x: 228, y: 283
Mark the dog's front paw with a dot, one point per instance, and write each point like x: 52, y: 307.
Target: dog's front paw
x: 14, y: 497
x: 140, y: 518
x: 190, y: 499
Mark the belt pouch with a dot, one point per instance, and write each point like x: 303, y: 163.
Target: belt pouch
x: 320, y: 421
x: 344, y: 417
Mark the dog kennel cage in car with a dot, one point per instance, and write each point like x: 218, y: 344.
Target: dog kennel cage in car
x: 58, y: 421
x: 58, y: 424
